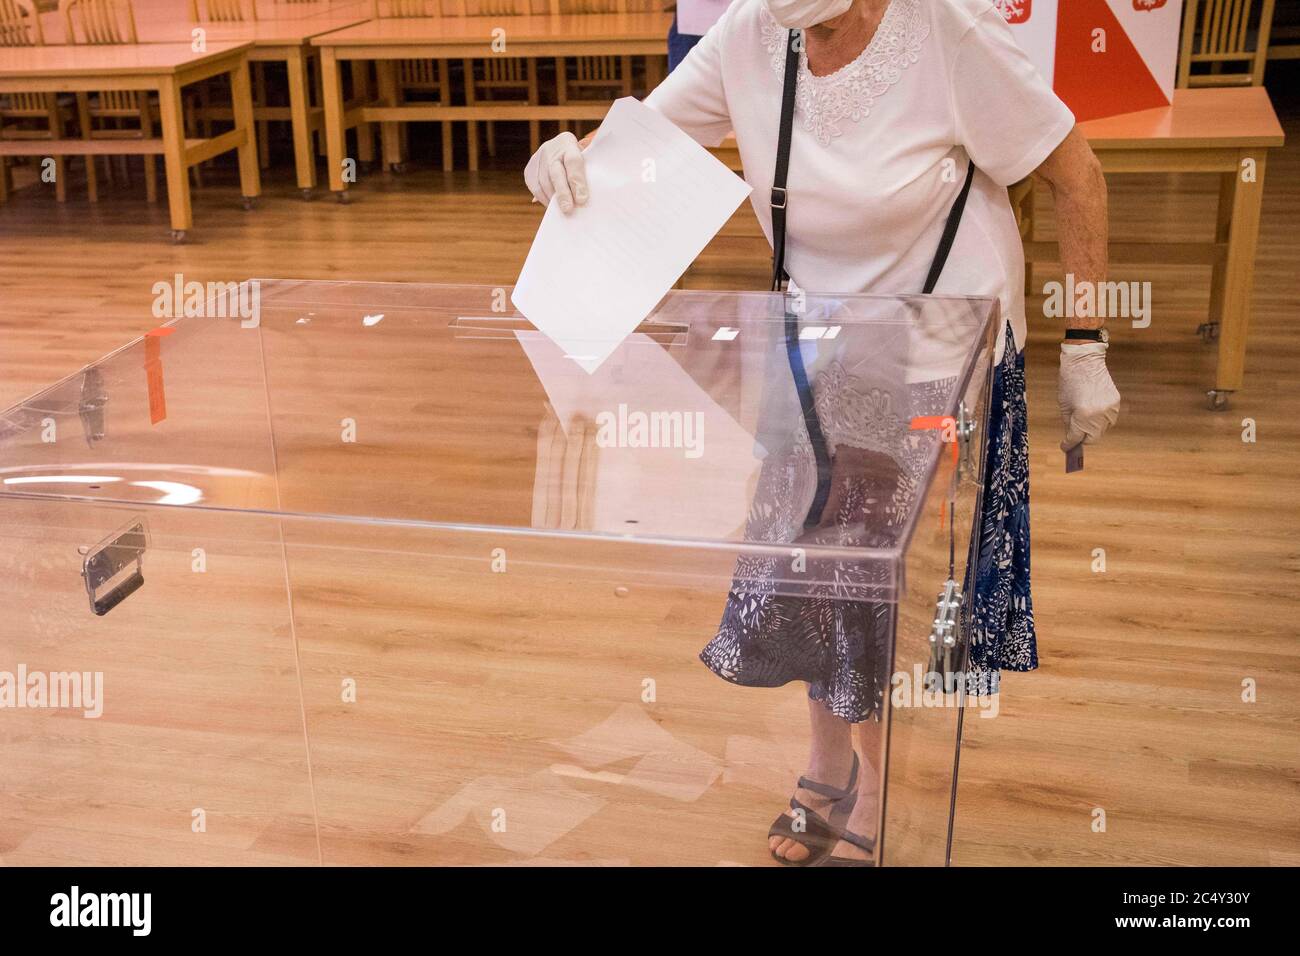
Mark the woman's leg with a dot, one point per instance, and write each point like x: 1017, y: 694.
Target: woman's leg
x: 866, y: 812
x: 830, y: 761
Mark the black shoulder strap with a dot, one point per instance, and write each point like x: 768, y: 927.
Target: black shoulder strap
x: 949, y: 232
x: 812, y: 424
x: 783, y: 159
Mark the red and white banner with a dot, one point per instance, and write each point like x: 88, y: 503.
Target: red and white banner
x: 1102, y: 57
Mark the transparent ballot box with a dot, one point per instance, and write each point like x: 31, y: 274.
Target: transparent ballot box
x: 378, y: 574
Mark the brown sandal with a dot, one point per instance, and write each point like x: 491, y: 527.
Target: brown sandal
x: 861, y: 842
x: 819, y: 833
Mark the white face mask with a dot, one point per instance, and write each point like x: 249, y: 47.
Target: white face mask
x: 801, y: 14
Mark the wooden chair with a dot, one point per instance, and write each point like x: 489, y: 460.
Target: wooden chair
x: 199, y: 103
x: 594, y: 77
x: 222, y: 11
x: 1221, y: 32
x: 20, y: 25
x: 499, y: 78
x: 106, y: 22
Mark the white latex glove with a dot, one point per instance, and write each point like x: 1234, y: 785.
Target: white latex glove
x: 1088, y: 397
x: 557, y: 169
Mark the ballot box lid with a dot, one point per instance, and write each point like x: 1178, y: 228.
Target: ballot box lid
x: 437, y: 410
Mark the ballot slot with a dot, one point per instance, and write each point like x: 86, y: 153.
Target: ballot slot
x: 496, y: 327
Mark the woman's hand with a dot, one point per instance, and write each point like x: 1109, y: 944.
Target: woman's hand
x: 1088, y: 397
x: 557, y: 169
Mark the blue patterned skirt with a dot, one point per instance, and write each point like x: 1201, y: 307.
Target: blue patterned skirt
x: 841, y: 648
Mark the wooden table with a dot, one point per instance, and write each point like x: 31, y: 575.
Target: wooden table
x: 282, y: 33
x: 1223, y: 131
x: 590, y: 34
x: 164, y: 68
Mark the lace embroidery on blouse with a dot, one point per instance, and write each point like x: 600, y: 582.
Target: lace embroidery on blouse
x: 825, y: 102
x: 849, y: 415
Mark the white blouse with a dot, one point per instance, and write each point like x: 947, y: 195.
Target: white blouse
x: 881, y: 146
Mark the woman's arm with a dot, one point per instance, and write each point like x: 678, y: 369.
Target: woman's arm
x: 1087, y: 396
x: 1078, y: 187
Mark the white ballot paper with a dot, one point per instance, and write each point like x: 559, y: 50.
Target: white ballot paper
x: 654, y: 487
x: 656, y: 199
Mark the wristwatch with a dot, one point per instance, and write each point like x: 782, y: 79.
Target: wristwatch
x: 1087, y: 335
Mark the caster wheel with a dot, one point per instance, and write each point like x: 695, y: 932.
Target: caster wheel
x: 248, y: 202
x: 399, y: 168
x: 1208, y: 331
x: 343, y: 198
x: 1217, y: 400
x: 178, y: 235
x: 307, y: 195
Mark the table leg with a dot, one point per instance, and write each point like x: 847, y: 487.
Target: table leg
x: 332, y: 100
x: 241, y: 98
x: 300, y: 115
x: 389, y: 132
x: 172, y: 120
x: 1239, y: 273
x: 361, y: 90
x: 1227, y: 188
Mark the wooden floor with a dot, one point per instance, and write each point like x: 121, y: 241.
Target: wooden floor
x: 1137, y: 710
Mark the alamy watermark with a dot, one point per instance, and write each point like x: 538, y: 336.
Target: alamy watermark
x: 53, y: 690
x: 627, y: 428
x: 922, y: 688
x: 1098, y: 300
x: 209, y: 300
x: 129, y: 910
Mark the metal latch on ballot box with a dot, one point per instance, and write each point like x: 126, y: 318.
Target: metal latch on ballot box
x: 965, y: 441
x: 945, y: 634
x: 113, y: 570
x: 91, y: 407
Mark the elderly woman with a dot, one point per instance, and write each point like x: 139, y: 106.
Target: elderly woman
x: 905, y: 111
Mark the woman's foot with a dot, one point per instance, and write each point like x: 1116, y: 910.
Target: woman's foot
x: 818, y: 810
x: 863, y: 820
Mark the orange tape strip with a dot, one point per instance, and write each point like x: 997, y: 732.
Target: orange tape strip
x: 941, y: 423
x: 153, y: 372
